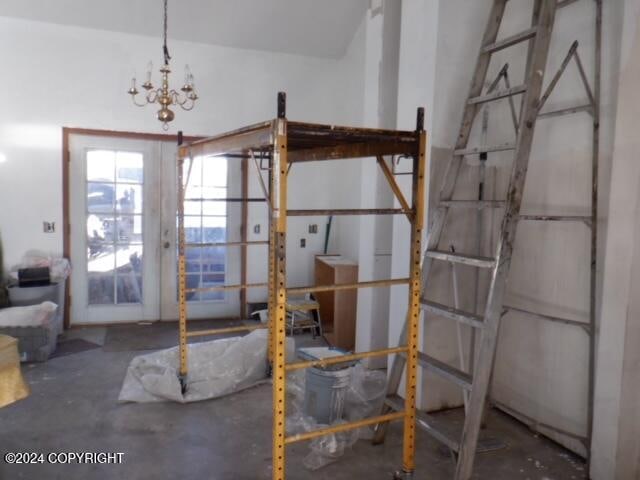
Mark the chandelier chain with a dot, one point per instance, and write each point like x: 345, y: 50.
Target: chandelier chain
x: 165, y: 49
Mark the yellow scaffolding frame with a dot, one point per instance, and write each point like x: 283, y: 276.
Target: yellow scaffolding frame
x: 284, y: 143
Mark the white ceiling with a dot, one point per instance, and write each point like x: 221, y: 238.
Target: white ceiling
x: 321, y: 28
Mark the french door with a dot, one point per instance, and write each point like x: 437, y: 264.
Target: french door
x: 123, y: 232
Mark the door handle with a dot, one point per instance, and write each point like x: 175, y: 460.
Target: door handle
x: 166, y: 245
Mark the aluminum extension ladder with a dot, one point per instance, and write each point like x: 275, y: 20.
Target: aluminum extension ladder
x: 539, y: 37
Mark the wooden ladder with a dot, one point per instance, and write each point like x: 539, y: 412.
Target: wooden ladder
x: 477, y: 385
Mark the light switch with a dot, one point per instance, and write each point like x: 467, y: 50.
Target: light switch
x: 256, y: 229
x: 49, y: 227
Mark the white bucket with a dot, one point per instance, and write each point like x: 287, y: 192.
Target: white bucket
x: 325, y: 394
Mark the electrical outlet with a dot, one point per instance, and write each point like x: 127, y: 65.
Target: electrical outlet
x: 49, y: 227
x: 256, y: 229
x: 303, y: 242
x: 313, y: 228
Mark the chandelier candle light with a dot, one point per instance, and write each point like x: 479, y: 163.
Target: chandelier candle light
x: 164, y: 96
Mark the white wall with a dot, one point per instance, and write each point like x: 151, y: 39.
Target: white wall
x: 541, y: 368
x: 615, y: 448
x: 66, y: 76
x: 346, y: 188
x: 374, y: 243
x: 416, y: 83
x: 368, y: 239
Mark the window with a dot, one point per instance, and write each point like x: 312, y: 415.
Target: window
x: 205, y: 221
x: 114, y: 186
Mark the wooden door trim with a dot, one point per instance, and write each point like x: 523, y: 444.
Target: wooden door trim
x: 66, y: 158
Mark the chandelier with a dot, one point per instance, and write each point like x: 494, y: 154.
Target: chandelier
x: 164, y: 96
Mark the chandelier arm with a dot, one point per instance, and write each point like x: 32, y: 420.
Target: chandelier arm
x: 138, y: 104
x: 152, y: 96
x: 187, y: 108
x: 179, y: 98
x: 186, y: 103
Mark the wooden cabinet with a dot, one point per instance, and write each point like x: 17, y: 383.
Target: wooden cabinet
x: 337, y: 309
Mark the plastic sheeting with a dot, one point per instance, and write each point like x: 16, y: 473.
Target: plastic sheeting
x: 216, y: 368
x: 30, y: 316
x: 229, y: 365
x: 364, y: 398
x: 59, y: 268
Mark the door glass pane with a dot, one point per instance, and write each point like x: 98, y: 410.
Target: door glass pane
x: 214, y: 170
x: 214, y: 229
x: 129, y: 259
x: 128, y: 229
x: 214, y: 207
x: 101, y: 165
x: 192, y: 207
x: 129, y: 289
x: 193, y: 281
x: 206, y: 222
x: 129, y: 167
x: 192, y: 229
x: 129, y: 198
x: 104, y: 261
x: 114, y: 226
x: 101, y: 290
x: 99, y: 235
x: 100, y: 197
x: 193, y: 256
x: 213, y: 261
x: 194, y: 173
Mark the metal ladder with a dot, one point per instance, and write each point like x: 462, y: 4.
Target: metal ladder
x: 539, y: 37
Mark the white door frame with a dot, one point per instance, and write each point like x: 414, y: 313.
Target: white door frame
x: 160, y: 268
x: 80, y: 310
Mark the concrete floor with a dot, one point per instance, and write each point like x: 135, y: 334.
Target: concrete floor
x: 73, y: 407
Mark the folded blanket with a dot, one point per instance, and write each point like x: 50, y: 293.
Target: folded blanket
x: 12, y: 385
